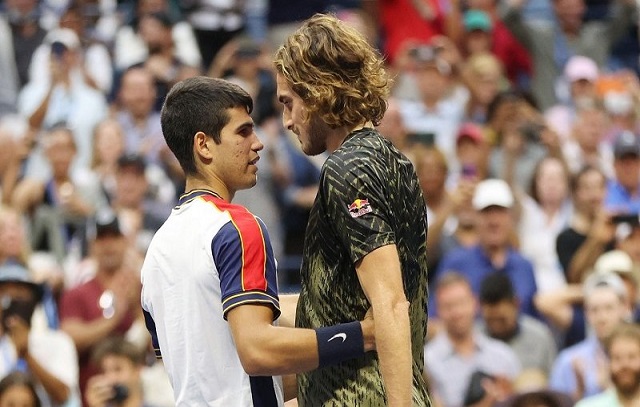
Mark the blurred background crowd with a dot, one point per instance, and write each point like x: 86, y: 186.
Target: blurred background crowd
x: 520, y: 116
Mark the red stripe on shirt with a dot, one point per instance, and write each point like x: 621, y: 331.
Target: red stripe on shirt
x: 254, y: 251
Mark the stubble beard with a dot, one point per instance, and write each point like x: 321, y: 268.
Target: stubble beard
x: 627, y: 389
x: 316, y: 137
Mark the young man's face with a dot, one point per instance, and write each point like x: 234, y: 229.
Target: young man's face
x: 604, y: 311
x: 456, y: 308
x: 311, y: 131
x: 235, y: 158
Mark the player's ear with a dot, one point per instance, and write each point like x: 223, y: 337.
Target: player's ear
x: 202, y: 146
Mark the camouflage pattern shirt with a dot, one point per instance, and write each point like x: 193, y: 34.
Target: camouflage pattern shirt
x: 369, y: 197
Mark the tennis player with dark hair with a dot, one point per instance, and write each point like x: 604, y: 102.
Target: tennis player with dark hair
x: 209, y: 284
x: 366, y: 239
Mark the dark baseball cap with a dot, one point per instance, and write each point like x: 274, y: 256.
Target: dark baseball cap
x: 626, y: 143
x: 106, y: 223
x: 135, y: 161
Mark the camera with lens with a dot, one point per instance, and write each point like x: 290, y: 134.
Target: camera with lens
x: 424, y: 53
x: 120, y: 393
x: 11, y: 307
x: 531, y: 130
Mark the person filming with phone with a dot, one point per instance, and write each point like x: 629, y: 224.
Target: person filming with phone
x: 29, y: 349
x: 119, y: 382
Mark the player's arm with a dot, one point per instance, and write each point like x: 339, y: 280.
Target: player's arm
x: 381, y: 279
x: 288, y: 305
x: 266, y: 350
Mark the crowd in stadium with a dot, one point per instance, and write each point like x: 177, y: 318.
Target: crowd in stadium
x: 521, y: 117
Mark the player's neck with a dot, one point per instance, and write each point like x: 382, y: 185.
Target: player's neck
x: 338, y: 136
x: 213, y: 184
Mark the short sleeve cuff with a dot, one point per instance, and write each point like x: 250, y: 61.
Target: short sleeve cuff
x: 373, y: 242
x: 250, y: 297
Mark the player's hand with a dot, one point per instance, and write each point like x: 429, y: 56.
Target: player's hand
x: 368, y: 331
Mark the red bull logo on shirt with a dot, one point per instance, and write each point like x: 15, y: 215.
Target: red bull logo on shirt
x: 359, y: 207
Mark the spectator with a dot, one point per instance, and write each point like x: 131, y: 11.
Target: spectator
x: 436, y: 111
x: 587, y: 146
x: 446, y: 210
x: 590, y: 232
x: 482, y: 74
x: 454, y: 354
x: 545, y: 212
x: 484, y: 31
x: 108, y: 146
x: 66, y: 98
x: 106, y: 305
x: 55, y: 373
x: 295, y: 193
x: 623, y: 349
x: 242, y: 61
x: 529, y: 338
x: 580, y: 370
x: 138, y: 216
x: 26, y: 34
x: 95, y: 67
x: 15, y: 146
x: 392, y: 127
x: 581, y: 74
x: 17, y: 388
x: 623, y: 192
x: 137, y: 117
x: 119, y: 382
x: 552, y: 45
x: 522, y: 145
x: 130, y: 47
x: 406, y: 22
x: 15, y: 248
x: 9, y: 81
x: 494, y: 202
x: 214, y: 24
x: 618, y: 262
x: 162, y: 62
x: 620, y: 96
x: 472, y: 153
x: 60, y: 205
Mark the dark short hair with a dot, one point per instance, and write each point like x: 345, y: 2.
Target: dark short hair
x: 117, y: 346
x: 198, y: 104
x: 495, y: 288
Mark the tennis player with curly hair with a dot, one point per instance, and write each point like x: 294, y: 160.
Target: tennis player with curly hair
x: 366, y: 238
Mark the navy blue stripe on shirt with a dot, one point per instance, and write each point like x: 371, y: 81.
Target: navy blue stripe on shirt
x: 151, y: 327
x: 250, y: 297
x: 263, y: 392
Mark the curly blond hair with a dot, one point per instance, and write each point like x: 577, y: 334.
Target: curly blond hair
x: 335, y: 71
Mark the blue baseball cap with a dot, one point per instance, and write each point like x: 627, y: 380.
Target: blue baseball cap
x: 477, y: 20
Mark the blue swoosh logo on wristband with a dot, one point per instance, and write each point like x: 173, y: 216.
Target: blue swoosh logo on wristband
x: 340, y: 335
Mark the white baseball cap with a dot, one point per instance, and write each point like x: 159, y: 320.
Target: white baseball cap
x: 492, y: 192
x: 614, y: 261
